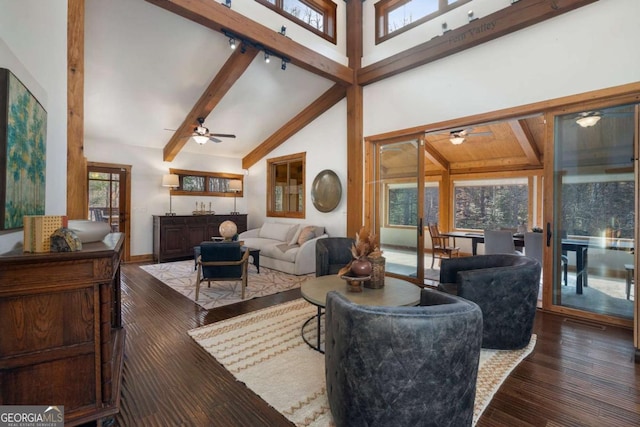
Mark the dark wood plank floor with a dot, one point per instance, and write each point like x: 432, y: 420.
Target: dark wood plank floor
x: 578, y: 375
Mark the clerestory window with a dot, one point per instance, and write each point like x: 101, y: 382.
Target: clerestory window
x: 397, y: 16
x: 318, y: 16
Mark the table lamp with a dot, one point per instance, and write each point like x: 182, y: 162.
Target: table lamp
x: 235, y: 185
x: 172, y: 181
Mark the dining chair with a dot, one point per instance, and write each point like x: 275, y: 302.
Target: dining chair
x: 499, y: 242
x: 533, y: 248
x: 533, y: 245
x: 440, y: 245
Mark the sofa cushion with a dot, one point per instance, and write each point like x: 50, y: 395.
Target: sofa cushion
x: 306, y: 234
x: 292, y: 235
x: 276, y: 231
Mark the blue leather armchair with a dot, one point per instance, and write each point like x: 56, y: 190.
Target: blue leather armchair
x: 506, y: 289
x: 332, y: 254
x: 402, y: 366
x: 222, y: 261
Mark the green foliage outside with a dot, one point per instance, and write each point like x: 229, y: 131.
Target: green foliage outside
x: 490, y: 207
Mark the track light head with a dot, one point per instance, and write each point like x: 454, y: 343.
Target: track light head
x: 284, y: 65
x: 232, y: 43
x: 267, y: 58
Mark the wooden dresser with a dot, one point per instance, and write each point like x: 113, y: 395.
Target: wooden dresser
x: 175, y: 236
x: 61, y: 336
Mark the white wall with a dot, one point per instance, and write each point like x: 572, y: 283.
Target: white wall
x: 33, y: 45
x: 323, y: 141
x: 590, y: 48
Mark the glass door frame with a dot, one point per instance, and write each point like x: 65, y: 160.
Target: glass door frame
x: 124, y: 210
x: 374, y: 217
x: 552, y: 261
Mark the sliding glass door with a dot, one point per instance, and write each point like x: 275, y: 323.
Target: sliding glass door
x: 594, y: 211
x: 397, y: 206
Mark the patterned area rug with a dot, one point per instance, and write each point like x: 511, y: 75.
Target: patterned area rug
x: 181, y: 276
x: 266, y: 344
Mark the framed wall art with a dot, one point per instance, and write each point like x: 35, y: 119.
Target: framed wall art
x: 23, y: 132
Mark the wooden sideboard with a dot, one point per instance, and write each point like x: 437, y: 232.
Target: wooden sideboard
x: 61, y: 337
x: 175, y: 236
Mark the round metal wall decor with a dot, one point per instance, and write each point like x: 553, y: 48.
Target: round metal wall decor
x: 326, y: 191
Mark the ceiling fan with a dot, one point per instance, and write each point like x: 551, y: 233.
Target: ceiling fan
x: 457, y: 137
x: 202, y: 135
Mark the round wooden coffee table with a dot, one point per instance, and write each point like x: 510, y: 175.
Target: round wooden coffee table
x: 395, y: 293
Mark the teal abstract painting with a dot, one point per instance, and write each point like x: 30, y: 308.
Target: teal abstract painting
x: 23, y: 132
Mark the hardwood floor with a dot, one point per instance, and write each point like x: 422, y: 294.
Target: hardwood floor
x: 578, y: 375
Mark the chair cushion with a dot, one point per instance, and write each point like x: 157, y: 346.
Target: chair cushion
x: 221, y: 251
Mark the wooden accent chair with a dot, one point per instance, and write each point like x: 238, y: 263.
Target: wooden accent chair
x: 440, y: 245
x: 220, y: 261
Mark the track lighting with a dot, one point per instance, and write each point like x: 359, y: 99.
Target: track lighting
x: 234, y: 39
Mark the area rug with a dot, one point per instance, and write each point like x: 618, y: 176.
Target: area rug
x: 181, y: 276
x: 264, y: 350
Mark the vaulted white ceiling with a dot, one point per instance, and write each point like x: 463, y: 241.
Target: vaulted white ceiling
x: 145, y: 68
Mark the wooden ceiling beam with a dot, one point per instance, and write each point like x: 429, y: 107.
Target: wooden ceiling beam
x: 230, y: 72
x: 526, y: 140
x: 214, y: 15
x: 434, y: 156
x: 512, y: 18
x: 306, y: 116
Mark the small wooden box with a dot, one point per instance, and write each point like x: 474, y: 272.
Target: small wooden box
x: 38, y: 229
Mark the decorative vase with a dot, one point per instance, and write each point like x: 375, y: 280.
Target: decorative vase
x: 361, y: 267
x: 377, y: 273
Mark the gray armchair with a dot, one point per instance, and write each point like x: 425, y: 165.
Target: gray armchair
x: 506, y: 289
x: 402, y: 366
x: 332, y: 254
x: 219, y: 261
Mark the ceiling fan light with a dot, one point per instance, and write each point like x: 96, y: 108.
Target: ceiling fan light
x: 588, y: 121
x: 200, y: 139
x: 457, y: 140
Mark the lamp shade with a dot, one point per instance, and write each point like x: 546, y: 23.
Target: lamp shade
x: 588, y: 121
x: 200, y: 139
x: 457, y: 140
x: 170, y: 180
x: 235, y: 185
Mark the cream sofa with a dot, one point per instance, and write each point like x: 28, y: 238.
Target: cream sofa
x: 290, y: 248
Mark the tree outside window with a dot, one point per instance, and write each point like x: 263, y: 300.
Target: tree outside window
x: 491, y: 204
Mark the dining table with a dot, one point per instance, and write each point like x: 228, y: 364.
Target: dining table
x: 580, y: 247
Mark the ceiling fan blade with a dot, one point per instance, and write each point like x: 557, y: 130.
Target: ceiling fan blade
x: 223, y: 135
x: 216, y: 140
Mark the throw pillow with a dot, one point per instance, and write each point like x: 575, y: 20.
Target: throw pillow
x: 306, y: 234
x: 292, y: 235
x: 274, y: 230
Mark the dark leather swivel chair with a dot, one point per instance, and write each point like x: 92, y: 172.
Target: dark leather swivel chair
x: 332, y: 254
x: 220, y: 261
x: 506, y: 289
x: 402, y: 366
